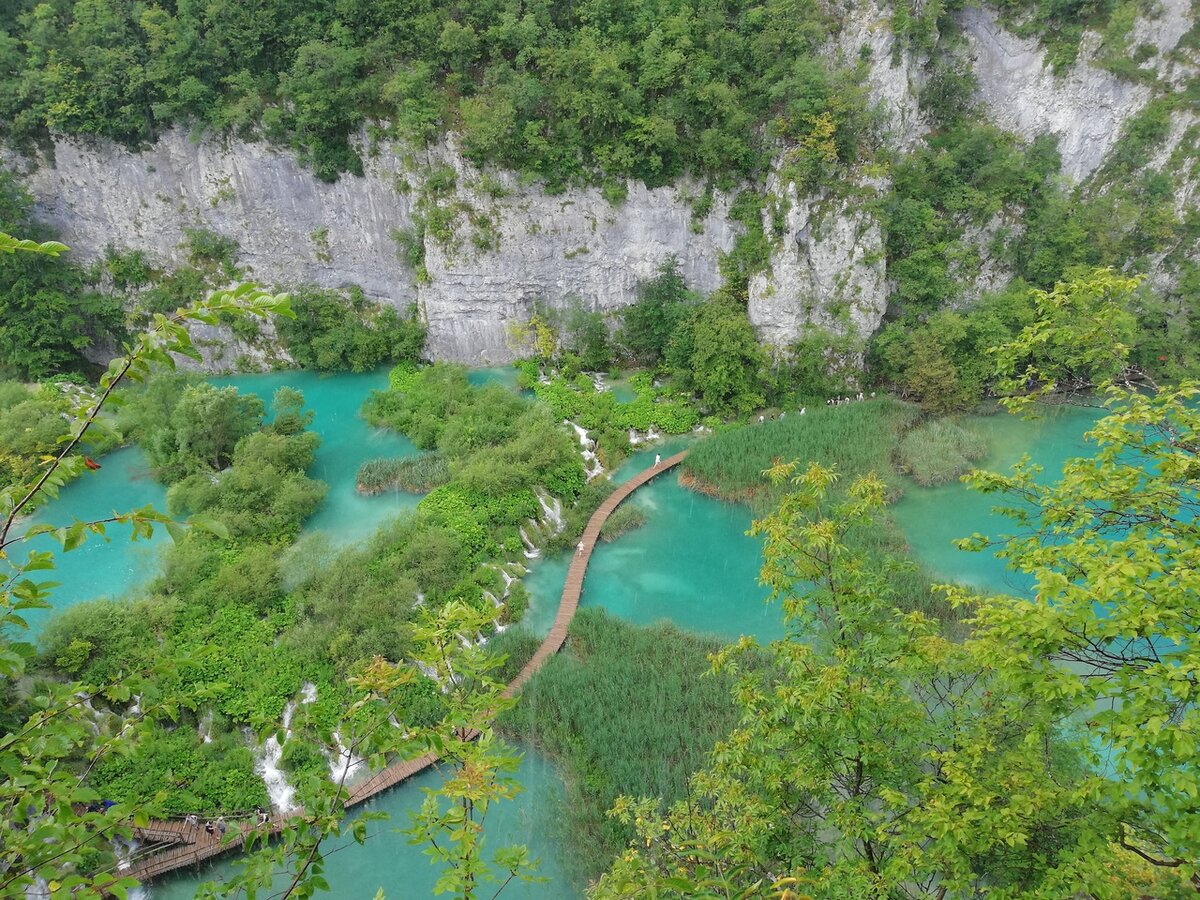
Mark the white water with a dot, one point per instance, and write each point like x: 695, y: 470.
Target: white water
x: 552, y: 510
x: 591, y: 464
x: 342, y: 761
x: 282, y: 794
x: 531, y: 550
x: 204, y: 729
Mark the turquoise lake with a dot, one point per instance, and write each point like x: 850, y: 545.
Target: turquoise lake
x: 691, y: 563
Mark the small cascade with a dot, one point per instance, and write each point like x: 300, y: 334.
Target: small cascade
x: 342, y: 762
x: 496, y: 601
x: 552, y: 510
x: 636, y: 437
x: 531, y: 550
x: 591, y: 463
x: 270, y: 754
x: 94, y: 713
x: 204, y: 729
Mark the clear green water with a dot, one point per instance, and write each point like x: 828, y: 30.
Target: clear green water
x: 933, y: 518
x: 347, y: 441
x: 690, y: 563
x: 100, y: 568
x: 505, y: 376
x: 386, y: 860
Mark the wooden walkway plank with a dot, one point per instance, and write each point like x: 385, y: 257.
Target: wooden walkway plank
x: 196, y: 846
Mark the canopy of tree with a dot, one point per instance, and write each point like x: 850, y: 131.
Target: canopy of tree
x: 561, y: 89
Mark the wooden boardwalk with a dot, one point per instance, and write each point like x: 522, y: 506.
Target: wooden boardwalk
x: 187, y: 846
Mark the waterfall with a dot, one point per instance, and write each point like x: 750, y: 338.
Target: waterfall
x: 591, y: 464
x: 342, y: 761
x: 531, y: 550
x: 270, y: 754
x: 552, y: 510
x: 204, y: 729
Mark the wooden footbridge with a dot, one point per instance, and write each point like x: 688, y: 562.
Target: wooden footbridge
x: 171, y: 845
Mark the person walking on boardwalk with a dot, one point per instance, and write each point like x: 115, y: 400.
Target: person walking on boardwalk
x: 221, y: 825
x: 657, y: 459
x: 192, y: 823
x: 208, y: 829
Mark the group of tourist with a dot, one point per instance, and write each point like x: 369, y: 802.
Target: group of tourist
x: 840, y: 401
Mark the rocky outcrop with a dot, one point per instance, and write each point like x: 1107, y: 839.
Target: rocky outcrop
x: 1084, y: 106
x: 552, y: 248
x: 292, y: 228
x: 894, y: 76
x: 827, y: 272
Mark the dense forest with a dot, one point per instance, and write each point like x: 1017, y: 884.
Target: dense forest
x: 902, y: 738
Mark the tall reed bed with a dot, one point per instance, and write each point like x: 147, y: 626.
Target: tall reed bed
x: 939, y: 451
x: 856, y: 438
x: 629, y: 710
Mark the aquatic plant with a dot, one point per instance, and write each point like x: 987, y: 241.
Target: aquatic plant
x: 626, y: 518
x: 413, y: 474
x: 938, y: 451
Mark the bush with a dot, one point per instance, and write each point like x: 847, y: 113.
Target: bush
x: 336, y: 330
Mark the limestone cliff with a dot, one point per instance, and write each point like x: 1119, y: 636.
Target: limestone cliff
x: 506, y: 244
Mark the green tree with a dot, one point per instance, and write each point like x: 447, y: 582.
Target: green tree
x: 837, y: 781
x: 204, y: 427
x: 1110, y: 639
x: 649, y: 322
x: 48, y: 736
x: 49, y: 314
x: 718, y: 356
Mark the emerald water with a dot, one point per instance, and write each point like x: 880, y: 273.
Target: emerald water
x: 117, y: 566
x: 933, y: 518
x: 347, y: 441
x: 107, y: 566
x: 386, y: 860
x: 690, y: 563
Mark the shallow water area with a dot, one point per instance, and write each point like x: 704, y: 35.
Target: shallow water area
x: 536, y: 818
x: 691, y: 563
x: 347, y: 441
x: 932, y: 518
x: 109, y: 566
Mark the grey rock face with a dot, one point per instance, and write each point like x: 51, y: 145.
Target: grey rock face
x: 894, y: 77
x: 292, y: 228
x: 556, y: 248
x: 827, y: 272
x: 1084, y: 107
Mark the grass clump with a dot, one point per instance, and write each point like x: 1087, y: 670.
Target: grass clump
x: 629, y: 710
x: 626, y: 518
x: 413, y: 474
x: 938, y: 451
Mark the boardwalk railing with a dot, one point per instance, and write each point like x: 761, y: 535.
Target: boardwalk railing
x: 198, y: 846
